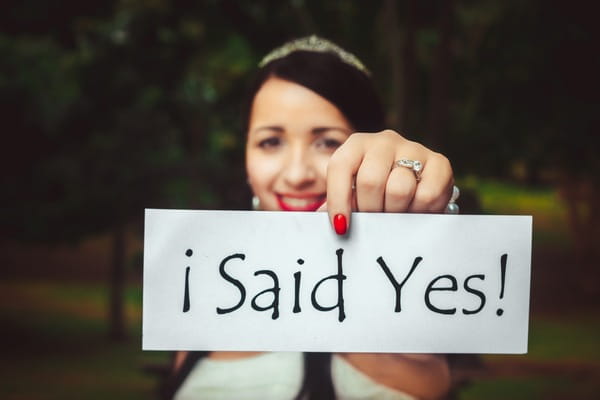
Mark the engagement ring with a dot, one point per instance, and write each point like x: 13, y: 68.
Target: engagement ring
x: 414, y: 165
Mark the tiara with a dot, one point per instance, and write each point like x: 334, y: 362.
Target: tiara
x: 316, y: 44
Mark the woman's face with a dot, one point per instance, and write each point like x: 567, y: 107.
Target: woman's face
x: 291, y: 135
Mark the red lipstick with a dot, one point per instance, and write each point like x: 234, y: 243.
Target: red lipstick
x: 300, y: 202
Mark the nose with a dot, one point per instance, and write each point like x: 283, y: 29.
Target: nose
x: 300, y: 170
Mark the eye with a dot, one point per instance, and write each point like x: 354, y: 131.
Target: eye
x: 328, y: 143
x: 269, y: 143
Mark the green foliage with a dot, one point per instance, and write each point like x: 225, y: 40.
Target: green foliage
x: 509, y: 198
x: 572, y: 338
x: 103, y: 128
x: 524, y: 78
x: 548, y: 210
x: 113, y: 107
x: 519, y: 388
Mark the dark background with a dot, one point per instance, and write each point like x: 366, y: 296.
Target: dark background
x: 108, y: 107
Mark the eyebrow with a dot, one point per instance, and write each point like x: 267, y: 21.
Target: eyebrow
x: 322, y: 129
x: 315, y: 131
x: 276, y: 128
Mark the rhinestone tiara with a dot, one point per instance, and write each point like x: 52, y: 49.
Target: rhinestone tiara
x: 316, y: 44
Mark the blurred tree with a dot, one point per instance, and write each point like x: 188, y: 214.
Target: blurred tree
x: 525, y: 103
x: 136, y: 113
x: 439, y: 96
x: 109, y: 107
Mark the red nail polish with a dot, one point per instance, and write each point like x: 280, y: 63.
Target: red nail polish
x: 339, y: 223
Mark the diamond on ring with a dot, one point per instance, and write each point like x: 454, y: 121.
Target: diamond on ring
x: 414, y: 165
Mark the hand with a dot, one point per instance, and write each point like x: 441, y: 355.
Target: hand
x: 366, y: 160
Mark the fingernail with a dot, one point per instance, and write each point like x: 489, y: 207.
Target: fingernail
x: 339, y: 224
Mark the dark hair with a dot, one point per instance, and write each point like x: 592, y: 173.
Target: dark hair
x: 345, y: 86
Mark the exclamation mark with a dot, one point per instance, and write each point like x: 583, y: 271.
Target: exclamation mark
x: 186, y: 293
x: 500, y: 311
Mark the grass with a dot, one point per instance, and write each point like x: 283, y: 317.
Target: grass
x: 58, y: 346
x: 544, y: 204
x: 568, y: 338
x: 563, y: 361
x: 530, y: 388
x: 57, y: 349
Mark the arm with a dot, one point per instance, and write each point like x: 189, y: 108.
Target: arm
x: 425, y: 376
x: 178, y: 360
x: 368, y: 162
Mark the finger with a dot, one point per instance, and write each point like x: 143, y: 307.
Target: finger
x: 354, y: 207
x: 371, y: 180
x: 435, y: 188
x: 400, y: 189
x: 341, y: 169
x: 323, y: 207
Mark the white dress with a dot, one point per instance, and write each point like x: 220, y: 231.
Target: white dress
x: 275, y: 376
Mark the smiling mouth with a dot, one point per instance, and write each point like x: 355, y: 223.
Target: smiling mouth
x: 304, y: 203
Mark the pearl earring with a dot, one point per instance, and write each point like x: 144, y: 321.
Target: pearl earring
x: 255, y: 203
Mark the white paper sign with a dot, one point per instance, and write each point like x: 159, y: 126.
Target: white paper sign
x: 284, y: 281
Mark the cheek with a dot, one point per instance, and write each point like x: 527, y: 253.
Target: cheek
x: 262, y: 171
